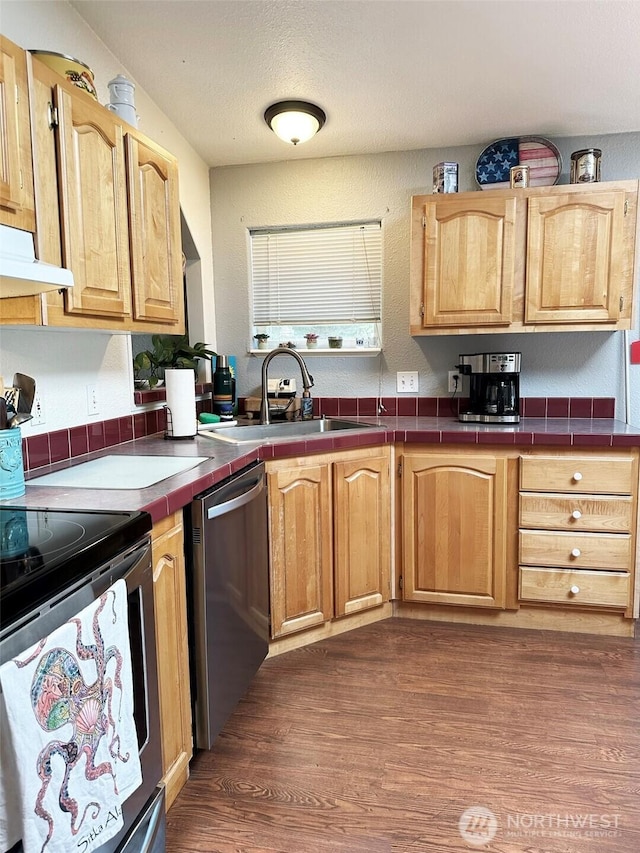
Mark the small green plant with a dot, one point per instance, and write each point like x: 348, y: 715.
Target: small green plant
x: 168, y: 351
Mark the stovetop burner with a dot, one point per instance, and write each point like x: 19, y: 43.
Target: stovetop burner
x: 42, y: 551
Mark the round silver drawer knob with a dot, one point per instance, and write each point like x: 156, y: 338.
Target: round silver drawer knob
x: 575, y: 590
x: 576, y: 514
x: 575, y: 552
x: 577, y: 477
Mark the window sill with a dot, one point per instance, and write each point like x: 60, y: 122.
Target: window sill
x: 314, y: 351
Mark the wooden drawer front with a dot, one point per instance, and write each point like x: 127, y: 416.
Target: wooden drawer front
x: 575, y: 550
x: 558, y: 512
x: 607, y: 589
x: 590, y: 475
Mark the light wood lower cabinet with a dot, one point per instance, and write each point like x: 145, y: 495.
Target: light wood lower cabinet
x: 578, y: 529
x: 329, y: 526
x: 455, y: 528
x: 362, y: 524
x: 173, y: 652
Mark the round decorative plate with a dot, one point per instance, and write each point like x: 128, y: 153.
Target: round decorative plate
x: 541, y: 155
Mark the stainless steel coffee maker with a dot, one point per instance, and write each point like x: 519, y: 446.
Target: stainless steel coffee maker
x: 494, y: 392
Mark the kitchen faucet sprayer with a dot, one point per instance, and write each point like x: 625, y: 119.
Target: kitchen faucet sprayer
x: 307, y: 383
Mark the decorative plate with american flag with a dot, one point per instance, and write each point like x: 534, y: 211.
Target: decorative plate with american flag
x: 542, y: 157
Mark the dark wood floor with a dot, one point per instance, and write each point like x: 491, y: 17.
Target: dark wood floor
x: 378, y: 740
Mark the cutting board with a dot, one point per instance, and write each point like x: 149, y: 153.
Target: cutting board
x: 118, y: 472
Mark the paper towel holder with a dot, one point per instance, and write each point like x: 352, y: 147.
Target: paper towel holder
x: 168, y: 430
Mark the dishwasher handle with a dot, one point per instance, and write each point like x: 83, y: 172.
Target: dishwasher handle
x: 235, y: 503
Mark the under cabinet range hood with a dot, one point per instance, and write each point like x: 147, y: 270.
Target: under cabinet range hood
x: 21, y: 274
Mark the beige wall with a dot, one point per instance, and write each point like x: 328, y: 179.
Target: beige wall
x: 381, y: 185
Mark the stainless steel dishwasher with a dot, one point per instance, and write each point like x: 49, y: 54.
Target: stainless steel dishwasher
x: 229, y: 596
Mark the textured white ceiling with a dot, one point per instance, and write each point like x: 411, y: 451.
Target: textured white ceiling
x: 390, y: 74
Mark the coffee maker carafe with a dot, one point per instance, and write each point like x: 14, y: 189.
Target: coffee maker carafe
x: 494, y: 390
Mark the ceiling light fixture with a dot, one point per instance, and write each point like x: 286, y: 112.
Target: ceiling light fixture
x: 294, y: 121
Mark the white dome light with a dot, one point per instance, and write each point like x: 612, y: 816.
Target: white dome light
x: 294, y: 121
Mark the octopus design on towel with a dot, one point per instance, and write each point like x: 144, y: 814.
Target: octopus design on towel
x: 60, y: 695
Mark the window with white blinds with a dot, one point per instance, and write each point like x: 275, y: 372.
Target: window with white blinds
x: 324, y: 275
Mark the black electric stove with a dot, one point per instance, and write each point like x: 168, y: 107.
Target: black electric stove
x: 43, y: 552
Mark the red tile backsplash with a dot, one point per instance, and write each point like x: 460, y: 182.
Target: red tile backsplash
x: 407, y: 407
x: 112, y: 432
x: 59, y: 445
x: 558, y: 407
x: 427, y: 407
x: 604, y: 407
x: 38, y: 451
x: 44, y: 449
x: 348, y: 407
x: 96, y: 436
x: 534, y: 407
x: 367, y: 406
x: 580, y: 407
x: 79, y: 441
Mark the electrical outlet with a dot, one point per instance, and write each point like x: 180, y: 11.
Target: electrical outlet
x: 92, y: 400
x: 407, y: 382
x: 454, y: 381
x: 38, y: 411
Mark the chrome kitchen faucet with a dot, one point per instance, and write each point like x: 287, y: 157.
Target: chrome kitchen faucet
x: 307, y: 379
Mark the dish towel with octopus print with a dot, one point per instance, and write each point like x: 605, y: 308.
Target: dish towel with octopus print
x: 69, y: 744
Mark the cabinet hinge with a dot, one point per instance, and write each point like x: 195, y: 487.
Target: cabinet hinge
x: 21, y: 180
x: 621, y: 302
x: 626, y: 206
x: 17, y: 94
x: 401, y: 582
x: 424, y: 221
x: 400, y: 468
x: 52, y: 116
x: 422, y: 309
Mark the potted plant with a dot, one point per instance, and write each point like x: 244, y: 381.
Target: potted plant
x: 335, y: 342
x: 262, y: 340
x: 311, y: 339
x: 167, y: 351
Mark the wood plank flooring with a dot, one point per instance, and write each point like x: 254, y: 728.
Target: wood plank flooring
x: 378, y: 740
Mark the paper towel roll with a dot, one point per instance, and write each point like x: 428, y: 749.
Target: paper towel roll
x: 181, y: 403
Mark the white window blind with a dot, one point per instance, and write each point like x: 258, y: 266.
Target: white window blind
x: 317, y: 274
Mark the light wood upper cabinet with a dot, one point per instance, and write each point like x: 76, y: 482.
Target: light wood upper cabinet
x: 539, y: 259
x: 93, y: 207
x: 362, y: 548
x: 575, y: 254
x: 154, y: 210
x: 455, y: 527
x: 469, y: 261
x: 107, y: 207
x: 16, y: 168
x: 170, y: 601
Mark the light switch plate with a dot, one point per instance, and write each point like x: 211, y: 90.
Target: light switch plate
x: 407, y: 382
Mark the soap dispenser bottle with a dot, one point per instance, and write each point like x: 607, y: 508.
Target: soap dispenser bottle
x: 306, y: 406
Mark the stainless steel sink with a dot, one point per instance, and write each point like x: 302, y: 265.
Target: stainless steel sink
x: 279, y: 431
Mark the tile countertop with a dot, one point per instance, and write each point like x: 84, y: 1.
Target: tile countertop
x: 175, y: 492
